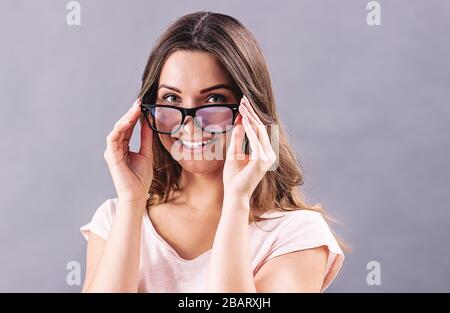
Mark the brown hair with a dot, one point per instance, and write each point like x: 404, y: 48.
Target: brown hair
x: 238, y: 51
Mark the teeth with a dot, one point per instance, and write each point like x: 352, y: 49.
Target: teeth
x: 190, y: 144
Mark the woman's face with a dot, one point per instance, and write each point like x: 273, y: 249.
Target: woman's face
x: 185, y: 81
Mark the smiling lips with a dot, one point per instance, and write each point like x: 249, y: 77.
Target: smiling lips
x: 197, y: 144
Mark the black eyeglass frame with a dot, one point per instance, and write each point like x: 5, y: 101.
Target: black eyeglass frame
x: 145, y: 109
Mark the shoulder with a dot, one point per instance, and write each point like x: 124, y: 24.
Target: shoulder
x: 102, y: 219
x: 289, y: 213
x: 107, y: 210
x: 302, y: 230
x: 300, y: 270
x: 293, y: 218
x: 304, y: 227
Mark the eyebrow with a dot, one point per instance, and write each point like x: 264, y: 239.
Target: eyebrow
x: 219, y: 86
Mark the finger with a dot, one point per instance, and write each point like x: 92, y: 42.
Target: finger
x: 252, y: 137
x: 261, y: 126
x: 122, y: 128
x: 251, y: 110
x: 130, y: 112
x: 115, y: 147
x: 117, y: 134
x: 132, y: 116
x: 146, y: 147
x: 260, y: 129
x: 237, y: 137
x: 267, y: 157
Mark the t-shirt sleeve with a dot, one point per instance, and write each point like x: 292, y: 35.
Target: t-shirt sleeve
x: 305, y: 229
x: 101, y: 221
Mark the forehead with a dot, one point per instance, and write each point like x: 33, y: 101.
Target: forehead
x: 193, y: 70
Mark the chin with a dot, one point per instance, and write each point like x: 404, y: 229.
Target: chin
x: 201, y: 166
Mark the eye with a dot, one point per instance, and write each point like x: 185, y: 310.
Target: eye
x: 170, y: 97
x: 219, y: 98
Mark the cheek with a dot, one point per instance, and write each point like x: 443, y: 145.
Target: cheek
x: 166, y: 141
x: 220, y: 150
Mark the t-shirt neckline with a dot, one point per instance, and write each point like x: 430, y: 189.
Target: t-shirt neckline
x: 162, y: 241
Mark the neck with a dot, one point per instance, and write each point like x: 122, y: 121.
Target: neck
x: 202, y: 191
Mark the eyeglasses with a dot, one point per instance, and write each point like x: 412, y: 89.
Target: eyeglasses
x: 212, y: 118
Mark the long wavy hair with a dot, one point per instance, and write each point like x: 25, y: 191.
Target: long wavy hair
x: 238, y: 51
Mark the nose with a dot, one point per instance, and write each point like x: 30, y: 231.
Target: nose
x: 189, y: 130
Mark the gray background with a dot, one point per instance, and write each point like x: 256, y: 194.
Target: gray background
x: 367, y: 109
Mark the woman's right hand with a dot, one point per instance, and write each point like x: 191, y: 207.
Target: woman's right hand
x: 132, y: 172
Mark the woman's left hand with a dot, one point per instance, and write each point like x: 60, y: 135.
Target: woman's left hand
x: 243, y: 172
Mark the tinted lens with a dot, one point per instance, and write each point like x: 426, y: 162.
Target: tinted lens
x: 165, y: 119
x: 215, y: 119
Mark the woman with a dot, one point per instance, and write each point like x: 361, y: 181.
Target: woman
x: 210, y: 203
